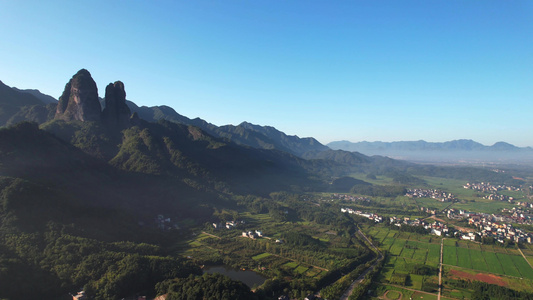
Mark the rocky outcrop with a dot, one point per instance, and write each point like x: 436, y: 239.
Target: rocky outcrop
x: 116, y: 113
x: 79, y: 100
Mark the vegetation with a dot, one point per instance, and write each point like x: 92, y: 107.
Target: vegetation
x: 123, y: 213
x: 207, y: 286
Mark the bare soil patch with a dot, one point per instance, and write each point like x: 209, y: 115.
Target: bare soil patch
x: 488, y: 278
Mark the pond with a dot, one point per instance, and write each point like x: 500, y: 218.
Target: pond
x: 249, y: 278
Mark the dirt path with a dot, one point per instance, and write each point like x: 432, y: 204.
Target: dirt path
x: 524, y: 257
x: 386, y: 297
x: 440, y: 268
x: 405, y: 288
x: 209, y: 234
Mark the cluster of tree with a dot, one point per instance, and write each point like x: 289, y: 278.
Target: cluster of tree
x: 492, y: 241
x: 335, y: 290
x: 333, y: 275
x: 421, y: 269
x: 378, y: 190
x: 359, y: 292
x: 483, y: 290
x: 400, y: 278
x: 405, y: 179
x: 408, y: 228
x: 207, y: 286
x: 344, y: 184
x: 299, y: 239
x: 54, y: 263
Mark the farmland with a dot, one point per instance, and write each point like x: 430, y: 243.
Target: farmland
x: 270, y: 257
x: 462, y: 260
x: 486, y: 258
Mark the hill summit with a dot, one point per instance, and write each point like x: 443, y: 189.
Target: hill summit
x: 79, y: 100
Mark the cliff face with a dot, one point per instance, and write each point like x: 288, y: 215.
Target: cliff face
x: 116, y: 113
x: 79, y: 100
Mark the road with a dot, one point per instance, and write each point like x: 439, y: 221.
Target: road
x: 361, y: 277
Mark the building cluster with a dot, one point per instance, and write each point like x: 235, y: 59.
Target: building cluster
x: 428, y: 210
x: 498, y: 197
x: 519, y: 215
x: 457, y: 214
x: 487, y: 187
x: 227, y: 225
x: 350, y: 198
x: 437, y: 228
x: 489, y: 225
x: 493, y: 225
x: 431, y: 193
x: 252, y: 234
x: 499, y: 231
x: 371, y: 216
x: 525, y: 204
x: 165, y: 223
x: 515, y: 215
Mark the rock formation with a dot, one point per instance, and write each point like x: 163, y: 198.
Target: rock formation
x: 79, y: 100
x: 116, y: 113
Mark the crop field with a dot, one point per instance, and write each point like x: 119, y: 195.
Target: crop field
x: 409, y: 249
x: 430, y: 202
x: 449, y: 256
x: 487, y: 258
x: 406, y: 250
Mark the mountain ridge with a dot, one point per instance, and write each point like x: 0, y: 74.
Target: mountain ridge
x: 30, y: 105
x: 459, y: 144
x: 455, y: 151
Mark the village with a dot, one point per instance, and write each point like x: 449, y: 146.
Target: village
x: 431, y: 193
x: 487, y: 187
x: 350, y: 197
x: 493, y: 226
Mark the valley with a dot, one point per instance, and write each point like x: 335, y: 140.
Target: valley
x: 101, y: 196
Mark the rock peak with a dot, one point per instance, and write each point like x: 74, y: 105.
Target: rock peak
x: 79, y: 100
x: 116, y: 112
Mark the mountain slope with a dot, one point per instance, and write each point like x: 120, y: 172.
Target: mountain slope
x: 46, y: 99
x: 12, y: 101
x: 261, y: 137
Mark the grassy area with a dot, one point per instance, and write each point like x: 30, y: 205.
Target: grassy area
x: 261, y: 256
x: 291, y: 265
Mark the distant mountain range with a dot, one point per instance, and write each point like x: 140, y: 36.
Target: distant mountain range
x: 452, y: 151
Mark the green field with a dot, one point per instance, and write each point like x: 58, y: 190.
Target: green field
x: 409, y: 249
x: 261, y: 256
x: 499, y: 261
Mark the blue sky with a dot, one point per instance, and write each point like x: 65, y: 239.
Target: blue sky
x: 334, y: 70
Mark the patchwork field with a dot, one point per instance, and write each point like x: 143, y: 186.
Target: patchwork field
x: 466, y: 260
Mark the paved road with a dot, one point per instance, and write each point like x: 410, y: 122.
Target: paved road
x: 361, y: 277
